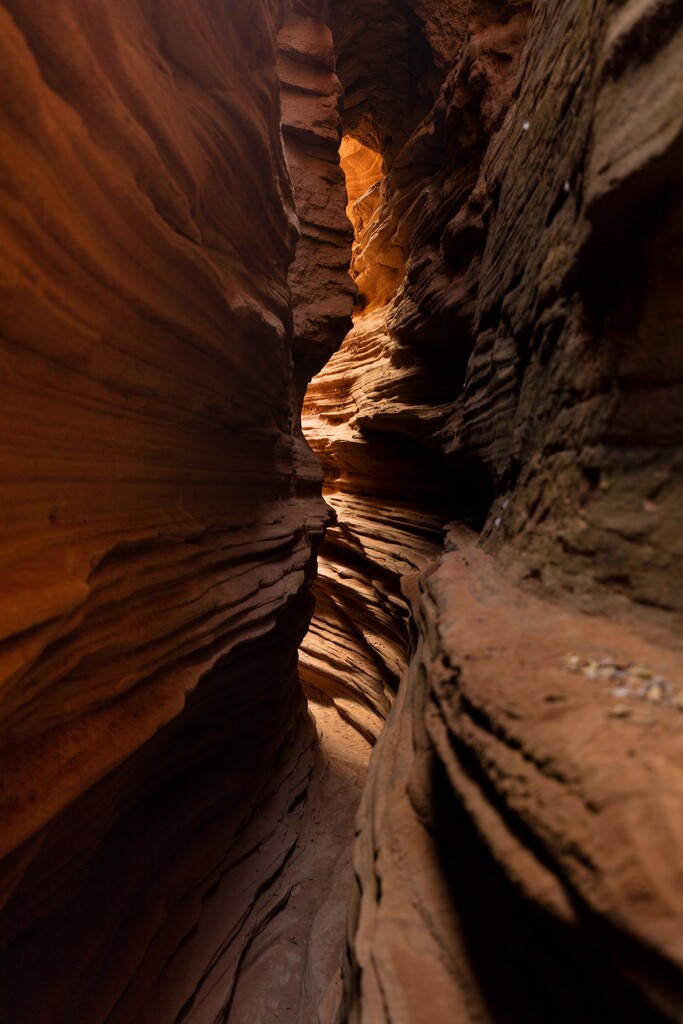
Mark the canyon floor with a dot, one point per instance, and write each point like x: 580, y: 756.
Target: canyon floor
x: 291, y: 971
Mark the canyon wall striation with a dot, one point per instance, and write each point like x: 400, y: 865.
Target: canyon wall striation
x: 322, y: 292
x: 517, y: 265
x: 160, y: 509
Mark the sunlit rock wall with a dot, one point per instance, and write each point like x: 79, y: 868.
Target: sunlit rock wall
x: 523, y: 240
x: 158, y: 509
x: 376, y: 412
x: 388, y: 499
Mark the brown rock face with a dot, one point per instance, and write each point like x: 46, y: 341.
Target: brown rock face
x: 159, y: 511
x: 322, y: 293
x: 516, y: 319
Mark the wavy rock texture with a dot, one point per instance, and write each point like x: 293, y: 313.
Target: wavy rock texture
x: 322, y: 292
x: 159, y: 510
x: 388, y: 500
x: 387, y: 394
x: 362, y: 168
x: 521, y: 238
x: 514, y: 337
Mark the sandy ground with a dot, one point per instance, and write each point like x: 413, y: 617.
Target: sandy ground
x: 292, y: 966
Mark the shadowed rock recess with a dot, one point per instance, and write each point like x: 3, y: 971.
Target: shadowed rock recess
x: 495, y: 419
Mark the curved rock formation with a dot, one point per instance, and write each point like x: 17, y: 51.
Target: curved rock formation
x: 322, y: 293
x: 512, y: 266
x: 519, y: 857
x: 159, y: 508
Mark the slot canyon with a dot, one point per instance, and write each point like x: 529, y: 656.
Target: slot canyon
x: 341, y: 491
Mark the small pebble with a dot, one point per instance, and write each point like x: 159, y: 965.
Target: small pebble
x: 619, y: 711
x: 635, y: 681
x: 654, y: 693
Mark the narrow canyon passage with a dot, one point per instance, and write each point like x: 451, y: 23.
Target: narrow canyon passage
x: 341, y: 512
x: 291, y: 972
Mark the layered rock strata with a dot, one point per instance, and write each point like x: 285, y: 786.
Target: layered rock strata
x: 515, y: 321
x: 519, y: 858
x: 383, y: 401
x: 322, y: 292
x: 389, y: 501
x: 521, y: 238
x: 160, y: 511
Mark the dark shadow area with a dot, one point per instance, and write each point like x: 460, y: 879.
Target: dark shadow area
x: 142, y: 888
x: 530, y: 969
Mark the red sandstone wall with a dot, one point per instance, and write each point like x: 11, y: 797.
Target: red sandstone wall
x: 518, y: 312
x: 158, y: 511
